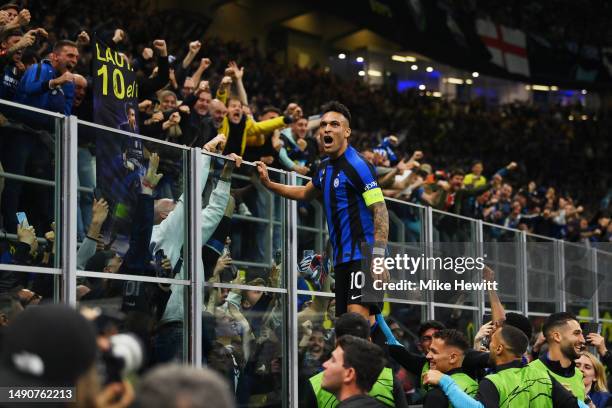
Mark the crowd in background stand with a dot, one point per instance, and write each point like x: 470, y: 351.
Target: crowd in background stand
x: 548, y: 178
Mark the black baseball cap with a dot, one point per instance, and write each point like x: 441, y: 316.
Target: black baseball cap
x: 50, y: 345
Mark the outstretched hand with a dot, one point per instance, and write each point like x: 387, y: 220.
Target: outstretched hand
x: 150, y: 180
x: 236, y: 72
x: 262, y: 169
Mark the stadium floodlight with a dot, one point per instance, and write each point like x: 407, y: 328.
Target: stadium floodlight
x: 374, y: 73
x: 429, y: 69
x: 341, y: 55
x: 403, y: 58
x: 469, y: 81
x: 475, y: 74
x: 455, y: 81
x: 422, y: 87
x: 414, y: 67
x: 359, y: 59
x: 584, y: 91
x: 361, y: 73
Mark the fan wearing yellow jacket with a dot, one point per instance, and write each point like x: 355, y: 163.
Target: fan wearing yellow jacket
x: 242, y: 131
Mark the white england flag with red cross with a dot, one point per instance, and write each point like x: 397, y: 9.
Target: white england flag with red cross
x: 507, y: 46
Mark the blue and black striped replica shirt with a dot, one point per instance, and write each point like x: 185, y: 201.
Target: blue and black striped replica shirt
x: 349, y: 186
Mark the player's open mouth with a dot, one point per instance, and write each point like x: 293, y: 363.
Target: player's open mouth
x: 328, y: 141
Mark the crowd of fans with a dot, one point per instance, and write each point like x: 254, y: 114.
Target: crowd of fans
x: 231, y: 99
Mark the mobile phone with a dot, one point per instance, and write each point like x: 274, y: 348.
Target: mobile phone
x: 159, y: 257
x: 590, y: 327
x: 486, y: 318
x: 278, y: 257
x: 22, y: 219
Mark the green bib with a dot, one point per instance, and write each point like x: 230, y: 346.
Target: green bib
x: 466, y: 383
x: 512, y: 386
x: 382, y: 390
x: 424, y: 387
x: 536, y: 374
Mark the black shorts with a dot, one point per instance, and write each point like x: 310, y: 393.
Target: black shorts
x: 350, y: 278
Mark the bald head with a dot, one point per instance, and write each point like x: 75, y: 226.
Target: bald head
x: 162, y: 209
x: 218, y: 111
x: 80, y: 89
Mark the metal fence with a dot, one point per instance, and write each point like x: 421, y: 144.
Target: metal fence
x: 533, y: 278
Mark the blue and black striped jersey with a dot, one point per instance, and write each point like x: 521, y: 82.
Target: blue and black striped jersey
x: 349, y: 186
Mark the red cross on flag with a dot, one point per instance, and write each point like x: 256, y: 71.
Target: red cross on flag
x: 506, y: 45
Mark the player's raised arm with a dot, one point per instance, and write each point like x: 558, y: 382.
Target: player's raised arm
x: 301, y: 193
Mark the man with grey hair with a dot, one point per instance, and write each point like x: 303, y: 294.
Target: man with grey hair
x: 169, y: 234
x: 173, y: 386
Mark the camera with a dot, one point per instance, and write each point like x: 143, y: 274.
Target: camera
x: 125, y: 356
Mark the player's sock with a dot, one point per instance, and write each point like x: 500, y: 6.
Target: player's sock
x: 391, y: 340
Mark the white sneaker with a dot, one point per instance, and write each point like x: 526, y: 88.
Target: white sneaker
x: 244, y: 210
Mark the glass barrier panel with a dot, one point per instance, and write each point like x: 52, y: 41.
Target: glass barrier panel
x: 244, y: 338
x: 312, y: 224
x: 20, y: 290
x: 404, y: 320
x: 128, y: 222
x: 502, y: 247
x: 604, y: 274
x: 579, y: 278
x: 454, y: 241
x: 406, y: 240
x: 406, y: 222
x: 30, y: 169
x: 536, y: 326
x: 316, y: 337
x: 543, y: 292
x: 315, y: 263
x: 255, y: 225
x: 466, y: 321
x: 146, y: 311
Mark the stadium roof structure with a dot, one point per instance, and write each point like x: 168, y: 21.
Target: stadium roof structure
x: 433, y: 29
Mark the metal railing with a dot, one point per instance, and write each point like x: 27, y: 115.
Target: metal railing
x: 291, y: 228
